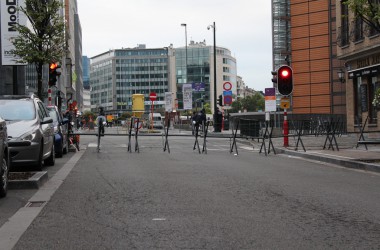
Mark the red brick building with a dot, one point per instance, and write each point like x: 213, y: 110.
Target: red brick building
x: 317, y: 87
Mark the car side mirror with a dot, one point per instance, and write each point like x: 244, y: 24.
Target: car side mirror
x: 47, y: 120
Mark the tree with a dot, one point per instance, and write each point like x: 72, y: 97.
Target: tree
x: 43, y: 41
x: 250, y: 103
x: 367, y: 10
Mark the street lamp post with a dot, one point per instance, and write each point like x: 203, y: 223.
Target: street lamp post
x: 184, y: 24
x: 215, y: 105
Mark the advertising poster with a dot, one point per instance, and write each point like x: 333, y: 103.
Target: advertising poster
x: 168, y: 102
x: 10, y: 16
x: 187, y: 96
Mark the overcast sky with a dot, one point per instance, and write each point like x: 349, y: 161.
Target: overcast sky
x: 242, y: 26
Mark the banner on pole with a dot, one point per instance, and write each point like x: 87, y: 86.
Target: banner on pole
x: 168, y: 102
x: 270, y: 99
x: 187, y: 91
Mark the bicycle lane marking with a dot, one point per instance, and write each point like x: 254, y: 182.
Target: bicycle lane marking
x: 12, y: 230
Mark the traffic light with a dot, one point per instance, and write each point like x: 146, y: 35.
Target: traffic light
x: 274, y: 78
x: 53, y: 73
x: 285, y: 80
x: 220, y: 100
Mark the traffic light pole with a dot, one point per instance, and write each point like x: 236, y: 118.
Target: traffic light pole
x: 286, y: 129
x: 49, y: 96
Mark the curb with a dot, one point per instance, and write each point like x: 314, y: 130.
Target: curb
x: 348, y: 163
x: 34, y: 182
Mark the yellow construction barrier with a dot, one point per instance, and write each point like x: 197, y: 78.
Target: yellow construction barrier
x: 137, y: 105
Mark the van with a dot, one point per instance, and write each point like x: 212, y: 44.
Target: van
x: 157, y: 121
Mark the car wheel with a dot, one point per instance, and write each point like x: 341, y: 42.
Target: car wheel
x: 4, y: 174
x: 50, y: 161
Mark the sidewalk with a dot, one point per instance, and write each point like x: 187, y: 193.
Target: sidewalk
x: 347, y: 156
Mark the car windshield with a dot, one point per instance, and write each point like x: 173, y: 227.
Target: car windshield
x: 17, y: 110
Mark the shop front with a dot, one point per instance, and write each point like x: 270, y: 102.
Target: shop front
x: 363, y: 81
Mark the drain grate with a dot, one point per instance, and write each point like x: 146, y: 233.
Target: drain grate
x: 35, y: 203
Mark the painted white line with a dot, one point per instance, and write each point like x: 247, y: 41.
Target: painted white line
x: 159, y: 219
x: 12, y: 230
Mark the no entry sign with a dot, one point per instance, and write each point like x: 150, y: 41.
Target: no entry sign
x: 152, y: 96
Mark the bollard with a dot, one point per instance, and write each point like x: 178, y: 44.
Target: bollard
x: 286, y: 130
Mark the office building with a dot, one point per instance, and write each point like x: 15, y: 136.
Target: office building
x: 195, y: 65
x: 118, y: 74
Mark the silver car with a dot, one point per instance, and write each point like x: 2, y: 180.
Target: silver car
x: 4, y: 158
x: 30, y: 131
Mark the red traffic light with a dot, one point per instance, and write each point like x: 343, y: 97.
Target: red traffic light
x: 53, y: 73
x: 53, y: 66
x: 285, y: 80
x: 285, y: 73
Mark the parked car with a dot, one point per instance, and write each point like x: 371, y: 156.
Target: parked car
x: 30, y: 131
x: 4, y: 156
x: 60, y: 131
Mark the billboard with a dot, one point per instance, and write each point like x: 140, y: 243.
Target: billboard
x: 198, y: 86
x: 10, y: 16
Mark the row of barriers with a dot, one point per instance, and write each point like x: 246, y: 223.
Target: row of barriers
x: 312, y: 125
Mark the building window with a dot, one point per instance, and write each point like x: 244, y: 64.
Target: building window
x: 343, y: 34
x: 357, y: 29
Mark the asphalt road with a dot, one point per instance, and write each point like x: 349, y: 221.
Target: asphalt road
x: 184, y: 200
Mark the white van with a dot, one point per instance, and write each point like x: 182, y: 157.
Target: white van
x: 157, y: 121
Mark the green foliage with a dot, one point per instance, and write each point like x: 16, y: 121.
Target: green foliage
x: 43, y: 41
x: 87, y: 114
x: 207, y: 108
x: 376, y: 98
x: 125, y: 116
x: 250, y: 103
x: 367, y: 10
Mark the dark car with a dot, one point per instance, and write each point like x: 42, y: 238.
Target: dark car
x: 60, y: 131
x: 30, y: 131
x: 4, y: 156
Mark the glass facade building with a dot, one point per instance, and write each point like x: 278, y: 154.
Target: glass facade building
x: 116, y: 75
x: 193, y: 69
x: 281, y: 32
x: 198, y: 68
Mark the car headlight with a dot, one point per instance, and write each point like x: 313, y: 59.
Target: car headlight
x: 29, y: 136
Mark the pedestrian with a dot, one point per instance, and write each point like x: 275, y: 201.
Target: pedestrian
x: 100, y: 120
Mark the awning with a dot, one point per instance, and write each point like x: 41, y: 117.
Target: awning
x: 365, y: 71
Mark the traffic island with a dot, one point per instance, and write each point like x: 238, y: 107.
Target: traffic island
x: 27, y: 180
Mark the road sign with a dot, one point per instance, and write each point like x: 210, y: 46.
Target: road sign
x: 152, y: 96
x: 227, y: 100
x: 227, y: 86
x: 285, y: 103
